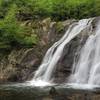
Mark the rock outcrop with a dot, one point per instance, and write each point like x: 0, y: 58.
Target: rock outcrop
x: 21, y: 63
x: 72, y: 51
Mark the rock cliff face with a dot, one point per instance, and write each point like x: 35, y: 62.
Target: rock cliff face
x: 72, y: 51
x: 21, y: 63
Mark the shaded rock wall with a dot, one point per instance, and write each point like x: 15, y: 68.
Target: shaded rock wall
x: 71, y: 52
x: 21, y: 63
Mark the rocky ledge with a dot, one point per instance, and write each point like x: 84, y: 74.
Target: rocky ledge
x: 20, y: 64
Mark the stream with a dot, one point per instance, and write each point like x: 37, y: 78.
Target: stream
x: 24, y: 91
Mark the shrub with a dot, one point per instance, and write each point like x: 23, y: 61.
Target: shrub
x: 14, y: 11
x: 57, y: 9
x: 11, y: 32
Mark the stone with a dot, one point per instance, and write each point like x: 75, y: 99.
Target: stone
x: 20, y: 64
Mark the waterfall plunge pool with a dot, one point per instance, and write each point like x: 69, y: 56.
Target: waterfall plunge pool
x: 27, y: 91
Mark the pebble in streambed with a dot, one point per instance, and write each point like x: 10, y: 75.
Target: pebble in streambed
x: 54, y: 95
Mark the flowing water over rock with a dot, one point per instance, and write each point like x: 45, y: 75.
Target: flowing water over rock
x: 84, y: 79
x: 53, y: 55
x: 87, y: 69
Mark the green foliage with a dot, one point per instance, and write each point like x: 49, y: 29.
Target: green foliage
x: 64, y: 9
x: 12, y: 33
x: 57, y: 9
x: 14, y: 11
x: 61, y: 9
x: 33, y: 39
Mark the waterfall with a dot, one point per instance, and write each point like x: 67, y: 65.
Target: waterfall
x: 87, y: 68
x: 54, y: 53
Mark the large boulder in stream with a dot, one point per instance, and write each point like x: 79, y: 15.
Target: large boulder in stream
x: 20, y: 64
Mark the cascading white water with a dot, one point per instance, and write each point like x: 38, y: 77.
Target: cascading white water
x: 44, y: 73
x: 87, y: 69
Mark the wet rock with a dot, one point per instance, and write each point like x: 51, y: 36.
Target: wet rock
x: 53, y: 91
x: 20, y: 64
x: 72, y: 51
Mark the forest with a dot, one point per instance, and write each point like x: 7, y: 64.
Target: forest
x: 14, y: 12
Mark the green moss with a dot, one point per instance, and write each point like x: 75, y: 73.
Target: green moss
x: 59, y: 27
x: 4, y: 46
x: 30, y: 40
